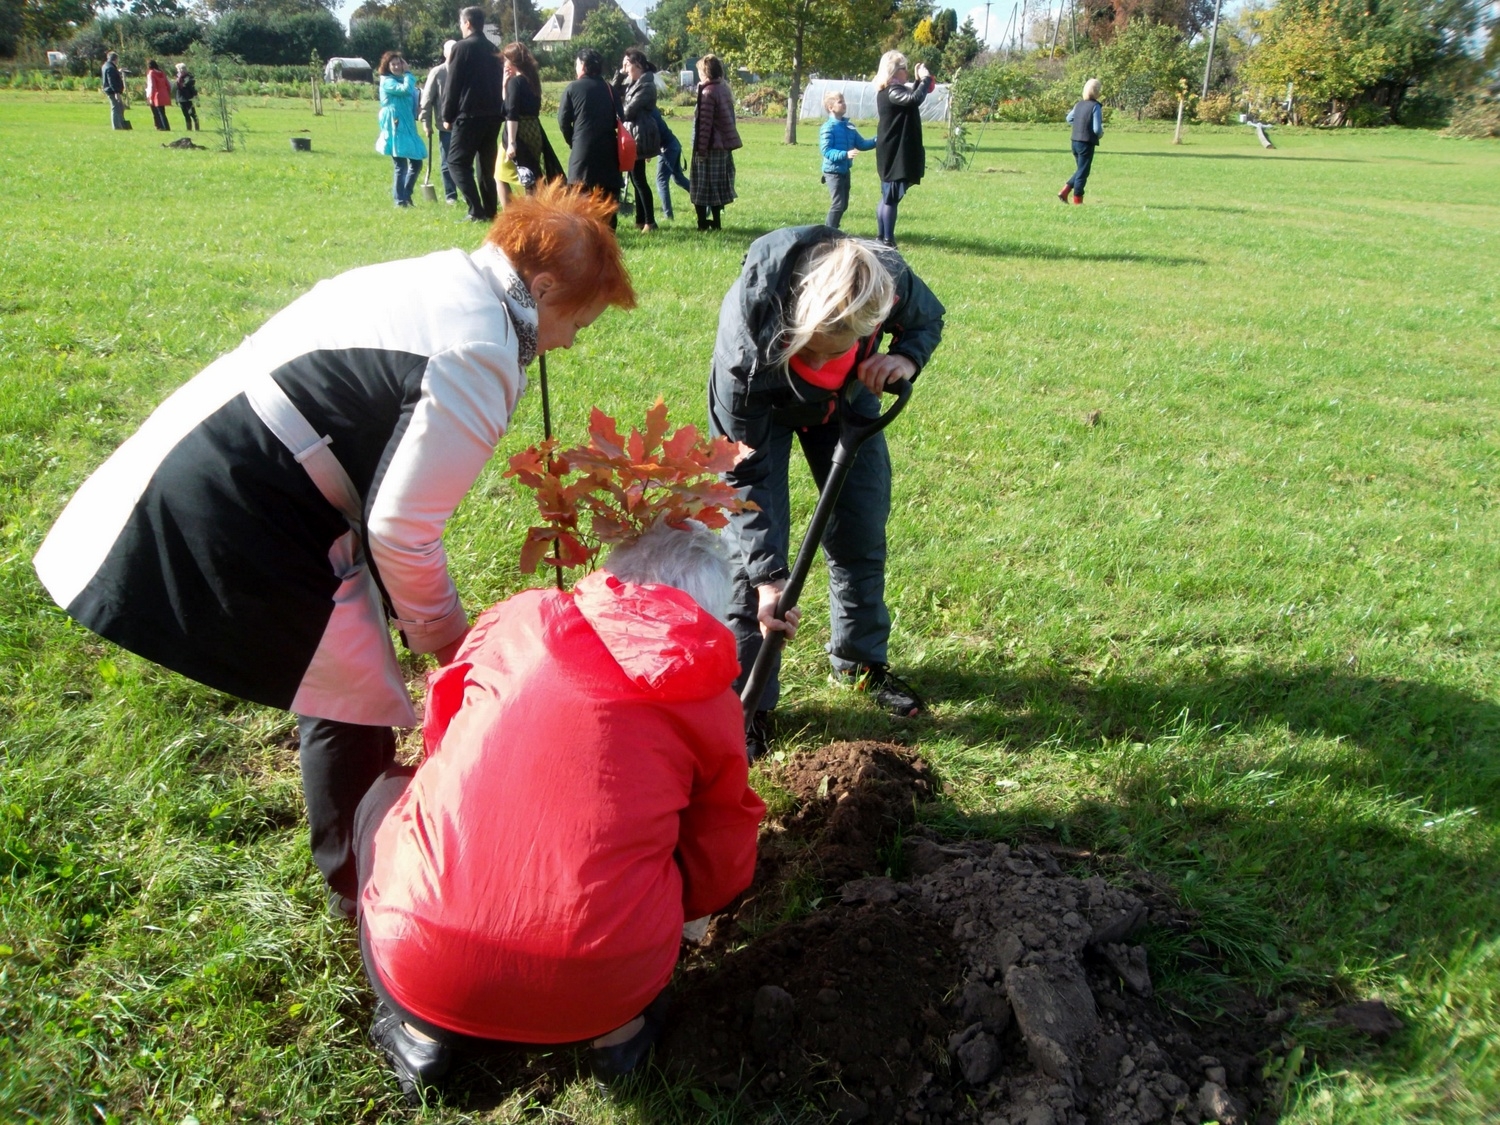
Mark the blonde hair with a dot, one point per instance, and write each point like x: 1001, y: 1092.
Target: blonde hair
x: 830, y: 96
x: 890, y: 62
x: 710, y: 69
x: 1091, y: 90
x: 842, y: 288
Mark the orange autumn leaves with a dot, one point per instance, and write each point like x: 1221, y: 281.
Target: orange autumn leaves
x: 613, y: 489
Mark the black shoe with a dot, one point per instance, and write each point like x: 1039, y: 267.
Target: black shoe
x: 418, y: 1063
x: 885, y: 688
x: 611, y: 1064
x: 758, y: 737
x: 341, y: 907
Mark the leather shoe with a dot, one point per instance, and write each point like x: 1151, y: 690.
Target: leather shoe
x: 418, y: 1063
x: 612, y: 1064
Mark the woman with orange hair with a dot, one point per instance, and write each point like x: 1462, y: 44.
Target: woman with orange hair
x: 273, y: 519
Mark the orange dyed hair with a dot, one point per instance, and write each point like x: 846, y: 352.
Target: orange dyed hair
x: 565, y: 232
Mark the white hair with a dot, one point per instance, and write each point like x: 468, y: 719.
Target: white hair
x: 890, y: 62
x: 448, y: 45
x: 842, y: 288
x: 691, y: 559
x: 1091, y: 90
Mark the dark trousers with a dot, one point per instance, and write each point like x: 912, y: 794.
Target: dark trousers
x: 159, y: 115
x: 838, y: 197
x: 706, y: 223
x: 1083, y: 153
x: 450, y: 189
x: 645, y: 206
x: 853, y: 544
x: 189, y: 114
x: 340, y: 761
x: 475, y: 138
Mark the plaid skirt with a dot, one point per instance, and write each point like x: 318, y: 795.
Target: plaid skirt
x: 713, y: 178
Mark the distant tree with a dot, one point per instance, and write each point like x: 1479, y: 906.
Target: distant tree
x: 1100, y: 21
x: 1336, y: 54
x: 12, y: 25
x: 962, y: 47
x: 49, y: 21
x: 372, y: 36
x: 269, y: 7
x: 796, y: 37
x: 277, y: 38
x: 609, y: 31
x: 1142, y: 60
x: 672, y: 43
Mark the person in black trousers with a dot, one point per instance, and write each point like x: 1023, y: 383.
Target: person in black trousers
x: 638, y: 108
x: 473, y: 112
x: 587, y: 119
x: 187, y: 97
x: 1087, y: 119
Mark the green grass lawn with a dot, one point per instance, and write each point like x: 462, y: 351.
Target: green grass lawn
x: 1242, y: 632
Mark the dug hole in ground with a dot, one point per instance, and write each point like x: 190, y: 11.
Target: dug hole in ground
x: 986, y: 985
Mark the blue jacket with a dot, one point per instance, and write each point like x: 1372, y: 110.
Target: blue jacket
x: 836, y: 138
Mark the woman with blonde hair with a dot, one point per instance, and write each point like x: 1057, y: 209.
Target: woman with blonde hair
x: 900, y: 159
x: 801, y: 325
x: 270, y: 523
x: 1087, y: 119
x: 715, y: 137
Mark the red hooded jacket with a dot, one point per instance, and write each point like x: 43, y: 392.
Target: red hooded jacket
x: 158, y: 89
x: 584, y: 792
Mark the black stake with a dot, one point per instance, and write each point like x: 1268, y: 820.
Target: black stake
x: 547, y: 433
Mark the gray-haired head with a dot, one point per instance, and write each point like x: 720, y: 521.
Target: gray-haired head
x: 691, y: 559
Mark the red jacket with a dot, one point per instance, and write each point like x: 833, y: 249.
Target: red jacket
x: 158, y: 88
x: 584, y: 793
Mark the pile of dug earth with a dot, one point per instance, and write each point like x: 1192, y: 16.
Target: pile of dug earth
x: 986, y: 984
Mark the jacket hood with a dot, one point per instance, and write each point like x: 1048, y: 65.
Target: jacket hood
x: 766, y: 280
x: 660, y: 637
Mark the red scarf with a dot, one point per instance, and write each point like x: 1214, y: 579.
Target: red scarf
x: 829, y: 375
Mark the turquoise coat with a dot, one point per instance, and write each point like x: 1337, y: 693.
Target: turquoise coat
x: 399, y: 99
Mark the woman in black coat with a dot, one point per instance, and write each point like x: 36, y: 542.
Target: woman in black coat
x: 587, y: 120
x: 900, y: 158
x: 638, y: 108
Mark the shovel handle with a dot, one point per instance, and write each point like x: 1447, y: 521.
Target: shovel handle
x: 853, y: 432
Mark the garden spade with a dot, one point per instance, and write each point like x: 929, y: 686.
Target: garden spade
x: 429, y: 193
x: 854, y: 429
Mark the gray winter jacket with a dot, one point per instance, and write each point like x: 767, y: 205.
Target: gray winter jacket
x: 749, y: 389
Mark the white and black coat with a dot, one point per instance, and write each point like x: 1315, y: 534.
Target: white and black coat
x: 204, y: 545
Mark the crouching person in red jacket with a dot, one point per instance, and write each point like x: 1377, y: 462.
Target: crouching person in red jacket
x: 583, y: 794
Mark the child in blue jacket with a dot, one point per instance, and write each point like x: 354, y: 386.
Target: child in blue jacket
x: 840, y: 141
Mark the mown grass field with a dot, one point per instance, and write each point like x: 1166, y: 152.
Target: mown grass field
x: 1242, y: 632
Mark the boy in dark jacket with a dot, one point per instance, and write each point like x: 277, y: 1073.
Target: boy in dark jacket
x: 1087, y: 119
x: 839, y: 141
x: 187, y: 97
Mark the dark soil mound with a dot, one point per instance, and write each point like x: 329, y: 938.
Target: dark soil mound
x: 988, y: 986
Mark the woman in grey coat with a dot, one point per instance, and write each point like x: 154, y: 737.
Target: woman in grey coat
x: 639, y: 111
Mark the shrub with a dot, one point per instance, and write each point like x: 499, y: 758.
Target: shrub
x: 1218, y: 109
x: 1161, y: 106
x: 1475, y: 116
x: 274, y: 37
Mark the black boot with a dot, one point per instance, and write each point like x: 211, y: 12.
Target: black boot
x: 418, y: 1063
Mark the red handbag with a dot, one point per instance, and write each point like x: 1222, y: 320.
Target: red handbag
x: 626, y: 145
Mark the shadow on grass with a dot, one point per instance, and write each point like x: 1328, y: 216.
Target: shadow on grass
x: 1245, y: 156
x: 1047, y: 253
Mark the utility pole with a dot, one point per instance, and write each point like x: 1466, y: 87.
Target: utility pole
x: 1212, y: 37
x: 1021, y: 30
x: 1052, y: 52
x: 986, y: 37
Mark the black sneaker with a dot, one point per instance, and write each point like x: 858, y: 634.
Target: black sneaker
x: 758, y: 737
x: 885, y: 687
x: 418, y: 1063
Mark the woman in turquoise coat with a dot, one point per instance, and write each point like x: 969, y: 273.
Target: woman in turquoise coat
x: 399, y: 100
